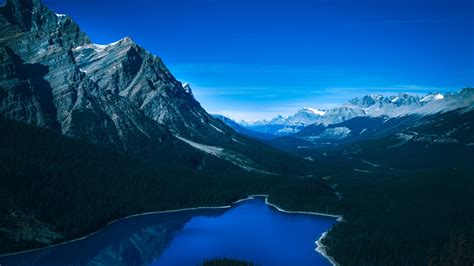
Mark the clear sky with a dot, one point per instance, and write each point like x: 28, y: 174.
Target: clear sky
x: 254, y: 59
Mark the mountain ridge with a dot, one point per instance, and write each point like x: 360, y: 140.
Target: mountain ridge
x: 117, y: 95
x: 374, y: 105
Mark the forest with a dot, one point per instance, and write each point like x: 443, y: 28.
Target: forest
x: 401, y: 216
x: 77, y: 187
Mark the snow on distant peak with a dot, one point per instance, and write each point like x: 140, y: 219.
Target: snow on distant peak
x: 376, y: 96
x: 314, y: 111
x: 371, y: 105
x: 432, y: 97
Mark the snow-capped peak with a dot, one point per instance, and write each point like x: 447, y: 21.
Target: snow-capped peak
x: 372, y: 105
x: 187, y: 88
x: 100, y: 48
x: 314, y: 111
x: 432, y: 97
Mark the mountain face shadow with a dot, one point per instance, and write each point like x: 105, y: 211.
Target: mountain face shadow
x: 33, y: 81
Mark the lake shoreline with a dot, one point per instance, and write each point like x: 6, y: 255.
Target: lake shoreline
x: 320, y: 248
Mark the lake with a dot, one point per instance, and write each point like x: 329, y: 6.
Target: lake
x: 249, y: 230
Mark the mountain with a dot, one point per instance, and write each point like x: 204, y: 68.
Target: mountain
x: 118, y: 95
x: 281, y: 126
x: 446, y: 139
x: 242, y: 130
x: 375, y: 105
x: 324, y: 137
x: 391, y: 106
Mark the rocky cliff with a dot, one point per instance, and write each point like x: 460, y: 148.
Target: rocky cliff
x: 116, y: 95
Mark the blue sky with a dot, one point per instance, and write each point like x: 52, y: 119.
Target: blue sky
x: 254, y: 59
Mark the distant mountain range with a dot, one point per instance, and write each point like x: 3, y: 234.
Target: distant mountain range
x: 310, y: 133
x: 375, y: 105
x: 242, y: 129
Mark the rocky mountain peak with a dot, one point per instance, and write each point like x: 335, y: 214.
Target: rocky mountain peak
x: 117, y: 95
x: 187, y: 88
x: 33, y: 31
x: 25, y: 6
x: 380, y: 101
x: 27, y: 14
x: 467, y: 91
x: 366, y: 100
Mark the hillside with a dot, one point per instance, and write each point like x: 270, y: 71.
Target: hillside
x: 117, y: 95
x: 54, y: 188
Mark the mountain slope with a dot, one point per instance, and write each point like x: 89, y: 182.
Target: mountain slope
x: 445, y: 140
x: 117, y: 95
x: 55, y: 188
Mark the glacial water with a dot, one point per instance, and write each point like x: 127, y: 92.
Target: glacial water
x: 249, y: 230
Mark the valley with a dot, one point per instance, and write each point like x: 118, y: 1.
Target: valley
x: 94, y: 133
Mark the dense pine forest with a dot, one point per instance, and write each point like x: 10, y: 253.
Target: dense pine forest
x: 75, y: 188
x: 405, y: 218
x: 391, y: 216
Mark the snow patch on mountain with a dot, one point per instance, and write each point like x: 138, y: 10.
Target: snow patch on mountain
x: 102, y: 48
x: 314, y: 111
x: 187, y: 88
x: 403, y: 138
x: 428, y: 139
x: 287, y: 130
x: 464, y: 99
x: 216, y: 128
x: 432, y: 97
x: 331, y: 133
x: 216, y: 151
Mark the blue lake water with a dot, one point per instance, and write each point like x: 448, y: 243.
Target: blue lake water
x: 250, y: 230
